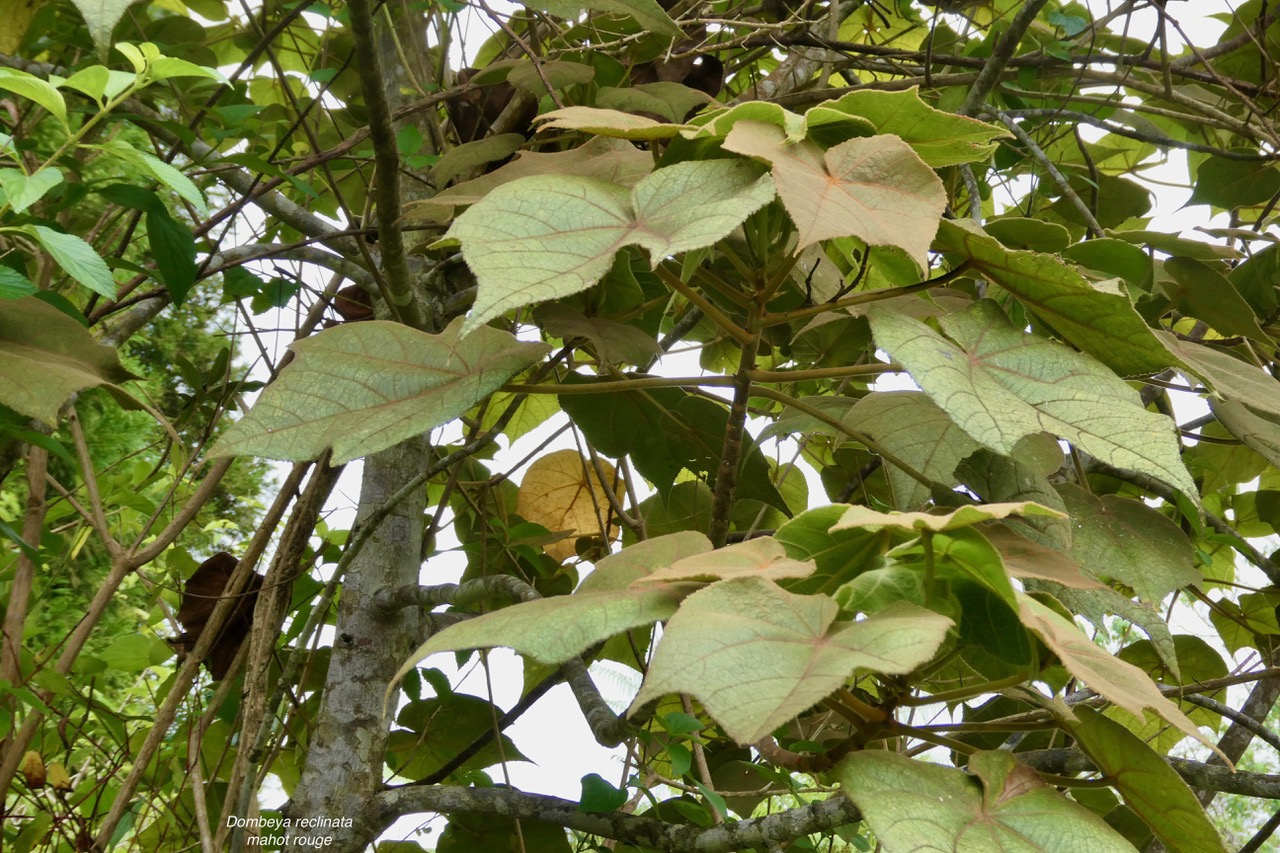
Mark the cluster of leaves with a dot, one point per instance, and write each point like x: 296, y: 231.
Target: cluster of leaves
x: 586, y: 208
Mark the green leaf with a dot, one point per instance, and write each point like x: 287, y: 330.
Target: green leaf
x: 940, y: 138
x: 647, y: 13
x: 521, y: 254
x: 1229, y: 377
x: 47, y: 357
x: 840, y: 554
x: 434, y: 730
x: 665, y: 430
x: 1111, y: 257
x: 614, y: 342
x: 1001, y: 384
x: 1202, y: 292
x: 796, y: 651
x: 999, y: 479
x: 22, y: 190
x: 163, y: 172
x: 76, y: 257
x: 599, y: 796
x: 1025, y: 558
x: 612, y: 160
x: 1149, y: 785
x: 173, y: 247
x: 1095, y: 604
x: 99, y: 82
x: 1123, y: 684
x: 33, y: 88
x: 458, y: 161
x: 1229, y: 184
x: 560, y: 73
x: 1123, y: 539
x: 671, y: 101
x: 876, y: 189
x: 166, y: 67
x: 911, y: 805
x: 1256, y: 280
x: 15, y: 285
x: 720, y: 123
x: 362, y: 387
x: 135, y: 652
x: 1029, y: 234
x: 1099, y: 320
x: 1260, y: 431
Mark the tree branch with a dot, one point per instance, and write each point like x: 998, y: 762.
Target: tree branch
x: 395, y: 263
x: 1197, y: 774
x: 639, y: 831
x: 1000, y: 56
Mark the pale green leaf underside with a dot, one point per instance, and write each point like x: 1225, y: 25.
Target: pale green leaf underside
x: 1102, y: 323
x: 363, y: 387
x: 912, y: 806
x: 546, y: 237
x: 102, y: 17
x: 620, y: 570
x: 875, y: 189
x: 45, y: 357
x: 756, y: 655
x: 763, y: 557
x: 614, y: 124
x: 1227, y: 376
x: 1259, y: 431
x: 553, y: 630
x: 1000, y: 384
x: 1118, y: 681
x: 909, y: 425
x: 966, y: 516
x: 1125, y: 540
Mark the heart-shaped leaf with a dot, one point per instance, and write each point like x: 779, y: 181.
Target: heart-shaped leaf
x: 796, y: 651
x: 1001, y: 384
x: 875, y: 189
x: 545, y: 237
x: 911, y: 805
x: 363, y: 387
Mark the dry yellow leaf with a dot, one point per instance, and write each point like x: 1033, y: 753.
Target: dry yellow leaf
x: 561, y: 492
x: 58, y: 777
x: 32, y: 768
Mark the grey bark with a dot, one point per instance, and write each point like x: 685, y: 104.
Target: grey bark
x: 344, y: 769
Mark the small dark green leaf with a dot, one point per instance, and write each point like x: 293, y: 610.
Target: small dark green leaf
x: 599, y: 796
x: 174, y: 248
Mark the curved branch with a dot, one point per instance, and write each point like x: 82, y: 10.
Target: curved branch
x: 636, y: 830
x: 239, y: 255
